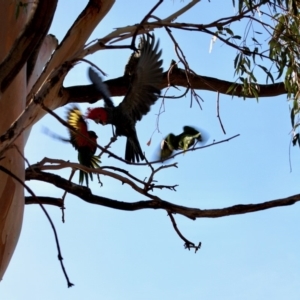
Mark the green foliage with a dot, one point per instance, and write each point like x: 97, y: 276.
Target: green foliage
x: 291, y: 5
x: 279, y: 26
x: 248, y: 81
x: 284, y: 51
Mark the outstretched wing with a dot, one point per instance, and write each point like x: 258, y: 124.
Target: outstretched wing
x: 144, y: 89
x: 75, y: 119
x: 188, y: 138
x: 100, y: 86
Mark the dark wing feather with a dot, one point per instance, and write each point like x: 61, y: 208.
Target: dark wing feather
x: 146, y: 81
x: 86, y: 158
x: 101, y: 87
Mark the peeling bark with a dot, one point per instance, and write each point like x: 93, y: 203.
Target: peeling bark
x: 32, y: 34
x: 24, y: 42
x: 12, y: 102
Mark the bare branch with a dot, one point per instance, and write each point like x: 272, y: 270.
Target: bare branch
x: 118, y: 87
x: 44, y: 200
x: 193, y: 213
x: 128, y: 31
x: 187, y: 244
x: 28, y: 189
x: 144, y: 21
x: 60, y: 164
x: 218, y: 113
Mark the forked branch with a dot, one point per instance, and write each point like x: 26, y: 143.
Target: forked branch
x: 85, y: 194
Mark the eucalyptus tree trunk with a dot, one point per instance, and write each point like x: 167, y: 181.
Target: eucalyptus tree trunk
x: 25, y: 72
x: 12, y: 103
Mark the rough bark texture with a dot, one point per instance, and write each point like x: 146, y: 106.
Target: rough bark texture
x: 12, y: 102
x: 43, y: 92
x: 25, y: 51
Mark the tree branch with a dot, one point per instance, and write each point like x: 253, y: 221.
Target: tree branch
x: 118, y: 87
x: 187, y: 244
x: 27, y: 42
x: 44, y: 200
x: 193, y: 213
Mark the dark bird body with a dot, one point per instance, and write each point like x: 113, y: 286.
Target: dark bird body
x: 143, y: 91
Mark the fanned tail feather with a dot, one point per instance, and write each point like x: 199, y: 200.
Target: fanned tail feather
x: 133, y: 151
x: 94, y: 163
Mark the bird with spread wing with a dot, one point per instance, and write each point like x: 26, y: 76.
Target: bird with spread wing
x: 143, y: 91
x: 182, y: 141
x: 84, y: 141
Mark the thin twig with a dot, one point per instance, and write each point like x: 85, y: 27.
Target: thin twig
x: 187, y: 244
x: 142, y: 22
x: 149, y: 185
x: 60, y: 164
x: 218, y: 112
x: 197, y: 148
x: 188, y: 70
x: 112, y: 140
x: 60, y: 258
x: 93, y: 65
x: 63, y: 198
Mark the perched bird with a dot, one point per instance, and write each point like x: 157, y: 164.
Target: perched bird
x: 183, y: 141
x: 144, y: 89
x: 84, y: 143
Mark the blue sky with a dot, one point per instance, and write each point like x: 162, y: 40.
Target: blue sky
x: 112, y: 254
